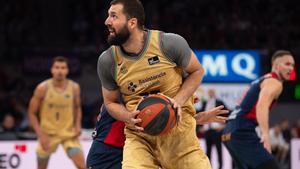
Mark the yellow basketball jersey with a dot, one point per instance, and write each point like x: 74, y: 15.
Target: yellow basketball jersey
x: 150, y: 72
x: 56, y: 113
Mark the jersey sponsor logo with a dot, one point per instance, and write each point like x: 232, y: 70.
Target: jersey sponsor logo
x: 147, y: 82
x: 151, y: 84
x: 153, y: 77
x: 59, y: 106
x: 226, y: 137
x: 153, y: 60
x: 131, y: 86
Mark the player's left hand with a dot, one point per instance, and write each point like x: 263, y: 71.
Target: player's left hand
x: 176, y: 107
x: 212, y: 115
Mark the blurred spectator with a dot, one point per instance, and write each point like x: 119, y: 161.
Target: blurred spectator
x: 198, y: 106
x: 7, y: 128
x: 8, y: 123
x: 296, y: 129
x: 285, y: 130
x: 197, y: 103
x: 216, y: 24
x: 213, y: 131
x: 279, y: 146
x: 287, y: 136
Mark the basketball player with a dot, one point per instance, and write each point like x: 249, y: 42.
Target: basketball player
x: 239, y: 136
x: 55, y: 115
x: 142, y: 62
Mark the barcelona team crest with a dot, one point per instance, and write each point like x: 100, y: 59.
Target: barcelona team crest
x: 123, y: 70
x: 131, y: 86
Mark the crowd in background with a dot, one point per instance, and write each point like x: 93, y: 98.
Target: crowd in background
x: 207, y: 24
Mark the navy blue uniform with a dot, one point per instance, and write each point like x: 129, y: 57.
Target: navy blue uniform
x: 239, y: 135
x: 106, y: 151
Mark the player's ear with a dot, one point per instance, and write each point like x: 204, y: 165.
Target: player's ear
x: 132, y: 23
x: 68, y: 71
x: 275, y: 65
x: 52, y: 69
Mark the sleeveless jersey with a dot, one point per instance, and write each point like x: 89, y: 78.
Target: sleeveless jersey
x: 150, y: 72
x: 247, y: 108
x: 57, y: 111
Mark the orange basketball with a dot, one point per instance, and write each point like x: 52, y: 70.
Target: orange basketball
x: 157, y: 114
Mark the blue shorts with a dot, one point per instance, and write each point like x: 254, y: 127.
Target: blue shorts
x: 103, y: 156
x: 242, y: 142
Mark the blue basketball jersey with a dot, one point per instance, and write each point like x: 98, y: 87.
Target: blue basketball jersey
x: 247, y: 108
x: 109, y: 130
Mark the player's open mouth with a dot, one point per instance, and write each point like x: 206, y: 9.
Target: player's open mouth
x: 111, y: 32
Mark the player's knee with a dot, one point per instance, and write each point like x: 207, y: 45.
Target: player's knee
x: 42, y: 159
x: 270, y: 164
x: 77, y: 157
x: 72, y: 151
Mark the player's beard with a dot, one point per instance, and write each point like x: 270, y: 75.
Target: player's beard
x: 281, y: 76
x: 119, y: 38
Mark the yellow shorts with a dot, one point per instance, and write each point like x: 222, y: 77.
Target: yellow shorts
x: 178, y: 149
x: 54, y: 141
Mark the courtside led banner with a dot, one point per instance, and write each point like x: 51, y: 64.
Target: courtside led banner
x: 229, y: 65
x: 21, y: 155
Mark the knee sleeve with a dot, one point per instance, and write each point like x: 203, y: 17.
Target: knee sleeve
x: 73, y: 150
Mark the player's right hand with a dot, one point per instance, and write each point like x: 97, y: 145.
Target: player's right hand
x: 266, y: 142
x: 176, y: 106
x: 44, y: 140
x: 212, y: 115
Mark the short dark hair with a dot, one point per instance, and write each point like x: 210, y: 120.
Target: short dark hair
x: 132, y: 9
x: 60, y: 59
x: 280, y: 53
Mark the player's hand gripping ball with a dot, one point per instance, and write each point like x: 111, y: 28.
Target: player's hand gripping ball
x: 157, y: 114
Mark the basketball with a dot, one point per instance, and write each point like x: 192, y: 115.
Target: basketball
x: 157, y: 114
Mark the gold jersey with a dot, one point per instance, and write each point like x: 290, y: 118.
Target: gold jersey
x: 150, y: 72
x: 57, y: 111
